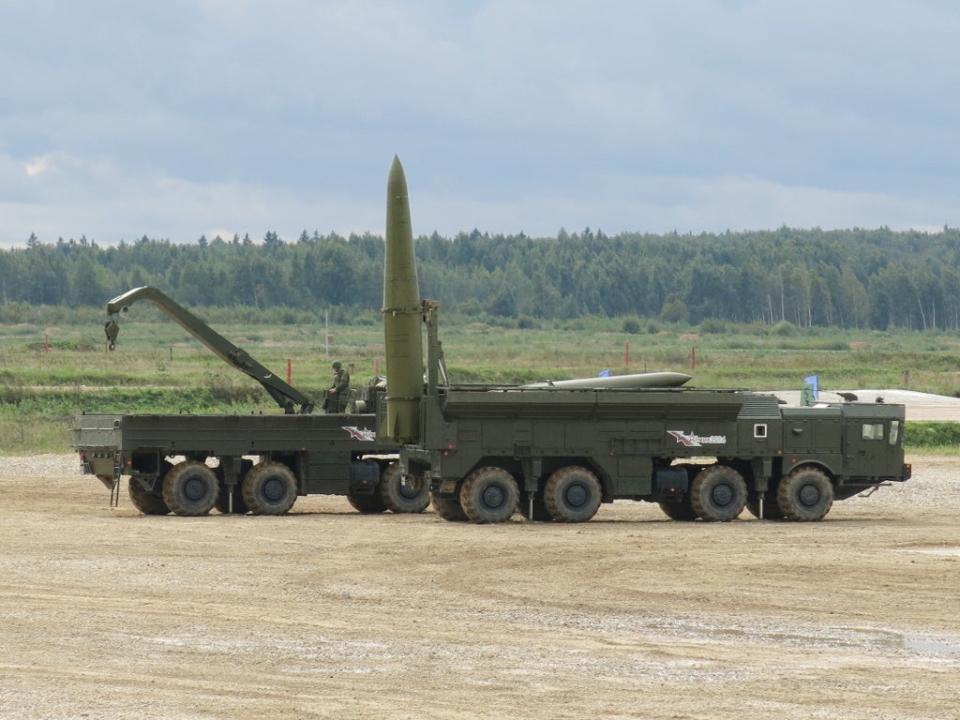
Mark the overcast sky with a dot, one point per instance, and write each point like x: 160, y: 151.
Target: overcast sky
x: 172, y: 119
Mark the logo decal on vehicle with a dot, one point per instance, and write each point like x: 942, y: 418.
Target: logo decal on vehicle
x: 362, y: 434
x: 689, y: 439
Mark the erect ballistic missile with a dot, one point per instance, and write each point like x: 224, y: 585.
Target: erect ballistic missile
x: 402, y: 312
x: 622, y: 382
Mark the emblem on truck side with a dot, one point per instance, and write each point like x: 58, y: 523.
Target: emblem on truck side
x: 689, y: 439
x: 357, y: 433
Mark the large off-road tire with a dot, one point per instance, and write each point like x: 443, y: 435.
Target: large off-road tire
x: 572, y: 494
x: 489, y: 495
x: 145, y: 501
x: 678, y: 509
x: 411, y: 496
x: 190, y: 488
x: 771, y: 508
x: 448, y: 507
x: 367, y: 504
x: 718, y: 493
x: 805, y: 495
x: 270, y: 488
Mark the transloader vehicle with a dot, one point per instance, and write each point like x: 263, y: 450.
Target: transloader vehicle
x: 189, y: 464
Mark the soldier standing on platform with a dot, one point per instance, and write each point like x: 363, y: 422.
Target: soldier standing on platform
x: 339, y: 393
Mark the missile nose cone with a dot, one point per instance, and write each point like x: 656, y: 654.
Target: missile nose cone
x: 396, y: 181
x: 398, y: 205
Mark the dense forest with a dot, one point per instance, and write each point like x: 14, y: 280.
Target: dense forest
x: 849, y: 278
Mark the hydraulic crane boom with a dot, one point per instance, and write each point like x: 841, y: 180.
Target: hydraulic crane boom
x: 287, y: 397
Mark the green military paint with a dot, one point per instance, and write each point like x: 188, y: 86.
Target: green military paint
x: 561, y: 449
x: 402, y: 316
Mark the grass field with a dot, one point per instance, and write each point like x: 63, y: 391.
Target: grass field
x: 57, y: 365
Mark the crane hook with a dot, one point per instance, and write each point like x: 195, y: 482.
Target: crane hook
x: 111, y: 328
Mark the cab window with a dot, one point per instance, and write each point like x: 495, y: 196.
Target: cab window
x: 894, y: 431
x: 873, y: 431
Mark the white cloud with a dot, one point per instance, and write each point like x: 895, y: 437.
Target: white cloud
x: 38, y: 166
x: 108, y: 204
x: 173, y: 118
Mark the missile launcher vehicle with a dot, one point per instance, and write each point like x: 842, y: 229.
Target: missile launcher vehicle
x: 557, y: 452
x: 189, y: 464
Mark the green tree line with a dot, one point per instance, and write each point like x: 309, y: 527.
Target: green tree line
x: 848, y: 278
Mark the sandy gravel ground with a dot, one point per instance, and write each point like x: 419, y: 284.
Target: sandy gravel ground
x: 325, y: 613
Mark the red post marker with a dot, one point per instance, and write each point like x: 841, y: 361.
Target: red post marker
x: 289, y: 371
x: 693, y: 358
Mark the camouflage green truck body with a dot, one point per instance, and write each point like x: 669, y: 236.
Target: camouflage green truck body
x: 322, y: 450
x: 649, y: 444
x: 320, y: 454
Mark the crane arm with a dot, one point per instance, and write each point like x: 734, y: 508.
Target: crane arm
x: 286, y: 396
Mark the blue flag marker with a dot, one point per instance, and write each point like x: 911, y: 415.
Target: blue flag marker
x: 604, y: 373
x: 813, y: 381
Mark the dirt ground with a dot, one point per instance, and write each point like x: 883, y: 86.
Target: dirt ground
x: 326, y: 613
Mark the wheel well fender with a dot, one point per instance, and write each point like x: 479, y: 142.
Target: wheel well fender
x: 814, y: 464
x: 511, y: 465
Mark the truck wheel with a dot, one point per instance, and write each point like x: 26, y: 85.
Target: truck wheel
x: 572, y: 494
x: 190, y: 488
x: 806, y: 495
x: 718, y: 493
x: 367, y: 504
x: 489, y: 495
x: 411, y: 496
x: 678, y: 509
x: 270, y: 488
x: 145, y: 501
x: 448, y: 507
x: 771, y: 508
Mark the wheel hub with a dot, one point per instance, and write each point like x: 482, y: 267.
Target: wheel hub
x: 576, y: 495
x: 493, y: 496
x: 273, y: 489
x: 722, y: 495
x: 809, y: 495
x: 409, y: 488
x: 194, y: 489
